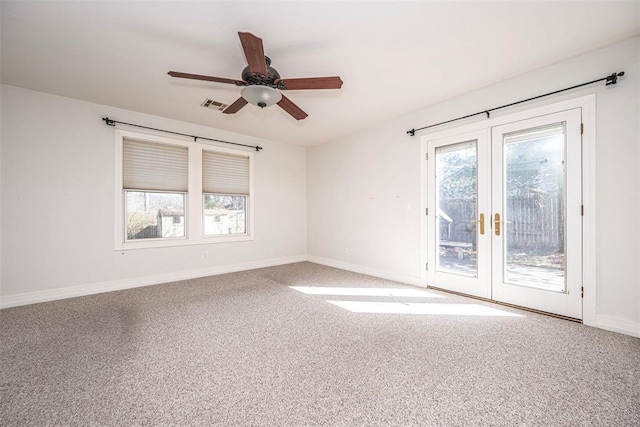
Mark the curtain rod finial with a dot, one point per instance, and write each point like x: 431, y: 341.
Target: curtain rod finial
x: 613, y: 78
x: 411, y: 132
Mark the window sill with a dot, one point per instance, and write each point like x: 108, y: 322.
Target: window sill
x: 165, y: 243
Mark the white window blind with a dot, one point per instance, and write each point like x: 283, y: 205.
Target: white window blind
x: 224, y: 173
x: 154, y: 166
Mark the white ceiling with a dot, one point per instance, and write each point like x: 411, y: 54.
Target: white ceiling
x: 394, y: 57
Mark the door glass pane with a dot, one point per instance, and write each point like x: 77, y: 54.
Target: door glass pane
x: 456, y: 200
x: 534, y: 200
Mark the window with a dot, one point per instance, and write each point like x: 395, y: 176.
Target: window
x: 155, y: 183
x: 171, y: 192
x: 225, y: 186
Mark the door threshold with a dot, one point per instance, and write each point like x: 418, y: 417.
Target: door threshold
x: 506, y: 304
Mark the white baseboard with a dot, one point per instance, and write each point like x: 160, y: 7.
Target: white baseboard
x: 356, y: 268
x: 117, y: 285
x: 617, y: 325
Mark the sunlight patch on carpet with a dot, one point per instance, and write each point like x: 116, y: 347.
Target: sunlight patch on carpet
x: 422, y: 308
x: 365, y: 292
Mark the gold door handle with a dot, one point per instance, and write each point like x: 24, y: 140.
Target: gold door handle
x: 497, y: 223
x: 481, y: 222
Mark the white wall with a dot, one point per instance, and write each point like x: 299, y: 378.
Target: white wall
x: 58, y: 203
x: 359, y: 188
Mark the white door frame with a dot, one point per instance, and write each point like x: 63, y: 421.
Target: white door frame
x: 588, y: 105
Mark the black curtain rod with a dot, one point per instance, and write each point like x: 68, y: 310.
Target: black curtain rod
x: 110, y: 122
x: 611, y: 80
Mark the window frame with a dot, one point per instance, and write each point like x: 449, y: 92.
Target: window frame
x: 194, y: 197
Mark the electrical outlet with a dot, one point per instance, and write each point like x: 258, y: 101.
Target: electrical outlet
x: 205, y: 254
x: 346, y: 251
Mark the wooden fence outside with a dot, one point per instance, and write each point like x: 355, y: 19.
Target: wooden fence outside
x: 534, y: 224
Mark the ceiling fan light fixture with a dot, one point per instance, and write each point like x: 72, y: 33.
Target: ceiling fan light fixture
x: 261, y: 96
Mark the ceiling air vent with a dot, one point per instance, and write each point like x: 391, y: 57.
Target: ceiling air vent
x: 214, y: 105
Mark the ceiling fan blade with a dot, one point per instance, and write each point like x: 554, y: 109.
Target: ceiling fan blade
x: 206, y: 78
x: 254, y: 52
x: 236, y: 106
x: 334, y: 82
x: 291, y: 108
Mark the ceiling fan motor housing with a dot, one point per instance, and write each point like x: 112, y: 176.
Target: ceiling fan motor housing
x: 258, y: 79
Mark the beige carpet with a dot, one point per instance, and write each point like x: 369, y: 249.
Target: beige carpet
x: 246, y: 349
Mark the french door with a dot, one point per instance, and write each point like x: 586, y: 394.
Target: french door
x: 504, y: 213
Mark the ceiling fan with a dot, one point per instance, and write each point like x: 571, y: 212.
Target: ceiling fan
x: 262, y: 83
